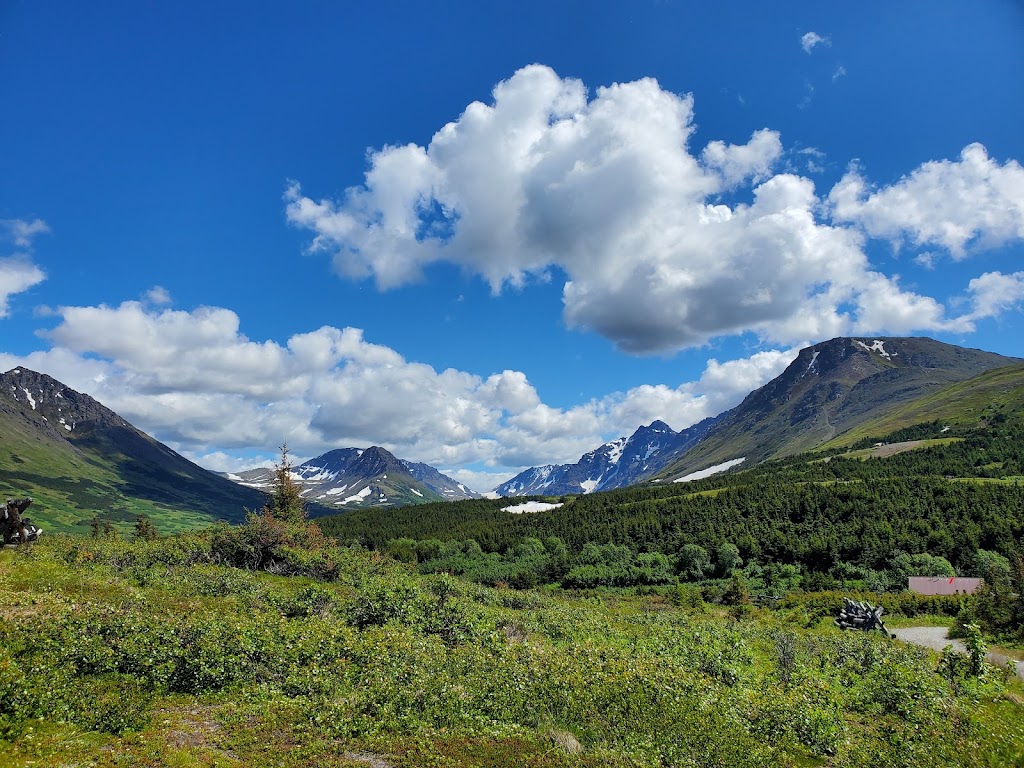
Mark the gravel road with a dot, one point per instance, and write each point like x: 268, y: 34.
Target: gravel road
x: 935, y: 638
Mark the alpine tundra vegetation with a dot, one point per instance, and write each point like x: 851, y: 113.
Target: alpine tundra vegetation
x: 186, y: 650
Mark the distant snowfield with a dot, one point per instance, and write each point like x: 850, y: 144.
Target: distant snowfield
x: 530, y: 506
x: 359, y: 496
x: 702, y: 473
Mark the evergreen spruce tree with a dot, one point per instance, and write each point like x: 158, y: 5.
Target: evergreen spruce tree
x: 286, y: 503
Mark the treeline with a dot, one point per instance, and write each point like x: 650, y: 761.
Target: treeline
x: 820, y: 516
x: 811, y: 524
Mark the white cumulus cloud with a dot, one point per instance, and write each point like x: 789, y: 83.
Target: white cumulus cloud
x: 194, y: 380
x: 958, y: 205
x: 605, y: 188
x: 993, y: 293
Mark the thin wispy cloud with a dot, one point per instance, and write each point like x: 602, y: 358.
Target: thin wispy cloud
x: 21, y: 231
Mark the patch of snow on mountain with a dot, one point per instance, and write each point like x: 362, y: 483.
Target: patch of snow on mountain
x: 336, y: 491
x: 320, y: 475
x: 235, y: 478
x: 810, y: 366
x: 616, y: 450
x: 359, y: 496
x: 416, y: 492
x: 31, y: 400
x: 530, y: 506
x: 461, y: 487
x: 879, y: 347
x: 588, y: 486
x: 876, y: 346
x: 702, y: 473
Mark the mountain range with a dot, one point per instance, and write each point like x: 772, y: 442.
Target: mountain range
x: 81, y: 460
x: 621, y: 462
x: 825, y: 393
x: 347, y: 478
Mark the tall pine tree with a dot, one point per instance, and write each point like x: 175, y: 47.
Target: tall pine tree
x: 286, y: 502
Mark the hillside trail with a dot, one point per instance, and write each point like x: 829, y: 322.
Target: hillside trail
x: 936, y: 639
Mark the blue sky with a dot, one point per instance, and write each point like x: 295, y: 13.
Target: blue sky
x: 489, y: 236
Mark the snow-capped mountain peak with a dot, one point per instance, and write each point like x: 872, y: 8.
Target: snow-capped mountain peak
x: 618, y: 463
x: 352, y: 477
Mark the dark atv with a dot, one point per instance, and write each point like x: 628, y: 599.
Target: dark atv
x: 17, y: 529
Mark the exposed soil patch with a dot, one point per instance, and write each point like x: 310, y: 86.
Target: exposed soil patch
x: 891, y: 449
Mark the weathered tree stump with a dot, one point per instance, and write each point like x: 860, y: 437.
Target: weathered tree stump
x: 859, y: 615
x: 15, y: 528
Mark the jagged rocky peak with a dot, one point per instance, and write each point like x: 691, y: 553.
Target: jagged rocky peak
x: 615, y: 464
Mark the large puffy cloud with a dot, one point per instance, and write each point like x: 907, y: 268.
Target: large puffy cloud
x: 662, y: 248
x: 973, y: 201
x: 194, y: 380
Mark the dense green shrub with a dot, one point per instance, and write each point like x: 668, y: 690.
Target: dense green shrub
x: 380, y: 655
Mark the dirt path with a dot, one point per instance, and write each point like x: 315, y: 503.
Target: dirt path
x: 935, y: 638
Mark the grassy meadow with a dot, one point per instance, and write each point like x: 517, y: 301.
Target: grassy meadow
x: 269, y: 645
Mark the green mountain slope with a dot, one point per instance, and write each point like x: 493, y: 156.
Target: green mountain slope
x: 79, y: 460
x: 992, y: 395
x: 829, y: 390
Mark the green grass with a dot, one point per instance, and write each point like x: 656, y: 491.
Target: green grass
x: 114, y: 653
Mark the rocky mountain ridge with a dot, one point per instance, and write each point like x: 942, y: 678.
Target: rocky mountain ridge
x: 616, y: 464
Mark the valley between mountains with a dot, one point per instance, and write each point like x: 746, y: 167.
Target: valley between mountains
x: 667, y: 600
x: 82, y: 460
